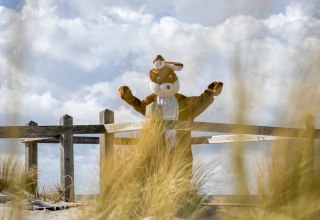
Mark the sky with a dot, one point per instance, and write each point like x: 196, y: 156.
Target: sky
x: 70, y: 57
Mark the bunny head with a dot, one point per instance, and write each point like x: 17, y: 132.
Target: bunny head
x: 163, y: 80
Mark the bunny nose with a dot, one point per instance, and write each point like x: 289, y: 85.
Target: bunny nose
x: 168, y: 87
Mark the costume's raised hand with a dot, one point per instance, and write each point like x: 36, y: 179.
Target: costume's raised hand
x: 215, y: 88
x: 125, y: 92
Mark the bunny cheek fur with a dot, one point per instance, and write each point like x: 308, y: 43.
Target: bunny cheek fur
x: 165, y: 89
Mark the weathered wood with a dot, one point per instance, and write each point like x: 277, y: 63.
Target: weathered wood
x: 123, y: 127
x: 106, y: 142
x: 31, y: 160
x: 310, y: 153
x: 309, y: 124
x: 217, y: 139
x: 245, y: 129
x: 48, y: 131
x: 76, y: 140
x: 220, y: 139
x: 80, y: 140
x: 55, y: 131
x: 215, y: 127
x: 49, y: 140
x: 67, y: 161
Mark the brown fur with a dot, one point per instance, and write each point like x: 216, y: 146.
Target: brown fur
x: 164, y: 75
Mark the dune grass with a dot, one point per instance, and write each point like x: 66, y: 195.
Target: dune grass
x: 14, y: 179
x: 16, y: 182
x: 149, y: 179
x: 50, y: 193
x: 288, y: 179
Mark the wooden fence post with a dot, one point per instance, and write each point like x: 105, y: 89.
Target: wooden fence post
x: 67, y: 161
x: 308, y: 123
x: 31, y: 160
x: 106, y: 142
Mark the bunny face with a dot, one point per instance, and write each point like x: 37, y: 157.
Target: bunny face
x: 164, y: 81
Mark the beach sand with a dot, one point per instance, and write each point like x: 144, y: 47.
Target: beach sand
x: 7, y: 212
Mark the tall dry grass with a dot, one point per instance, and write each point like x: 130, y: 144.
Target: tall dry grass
x: 16, y: 182
x: 14, y: 179
x: 150, y: 179
x: 288, y: 179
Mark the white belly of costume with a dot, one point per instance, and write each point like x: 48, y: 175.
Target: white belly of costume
x: 170, y: 107
x: 170, y: 111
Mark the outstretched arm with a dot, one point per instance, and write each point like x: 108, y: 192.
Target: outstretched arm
x: 140, y: 106
x: 202, y: 102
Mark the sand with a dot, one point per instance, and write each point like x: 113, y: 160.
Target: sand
x: 7, y: 212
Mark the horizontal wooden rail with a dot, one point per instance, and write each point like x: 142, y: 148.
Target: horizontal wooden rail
x: 247, y: 129
x: 124, y: 127
x: 220, y: 139
x: 56, y: 131
x: 217, y: 139
x: 216, y: 127
x: 48, y: 131
x: 80, y: 140
x: 76, y: 140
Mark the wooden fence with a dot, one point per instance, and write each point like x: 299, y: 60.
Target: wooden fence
x: 66, y: 135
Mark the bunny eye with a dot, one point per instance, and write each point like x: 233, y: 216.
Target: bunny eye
x: 158, y: 79
x: 170, y: 77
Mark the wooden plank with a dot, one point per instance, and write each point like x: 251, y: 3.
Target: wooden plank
x: 310, y: 152
x: 245, y: 129
x: 251, y: 129
x: 41, y: 140
x: 85, y: 140
x: 76, y: 140
x: 55, y: 131
x: 106, y: 141
x: 220, y: 139
x: 31, y: 161
x: 80, y: 140
x: 215, y: 127
x: 123, y: 127
x: 67, y: 161
x: 217, y: 139
x: 48, y: 131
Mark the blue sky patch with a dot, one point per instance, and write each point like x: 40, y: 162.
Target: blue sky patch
x: 14, y: 4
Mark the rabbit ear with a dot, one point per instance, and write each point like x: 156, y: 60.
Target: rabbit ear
x: 159, y: 62
x: 175, y: 66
